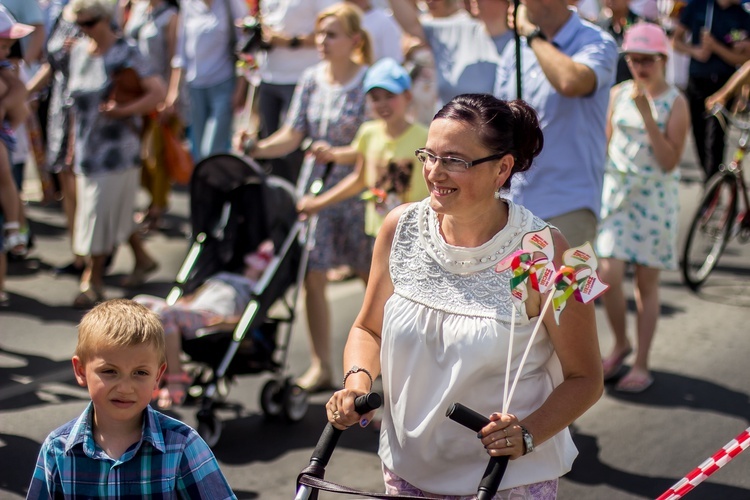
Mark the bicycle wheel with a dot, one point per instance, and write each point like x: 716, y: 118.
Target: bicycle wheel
x: 710, y: 229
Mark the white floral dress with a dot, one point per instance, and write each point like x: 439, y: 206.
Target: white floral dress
x: 640, y: 201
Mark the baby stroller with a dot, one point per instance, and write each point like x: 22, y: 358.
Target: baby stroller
x: 235, y: 205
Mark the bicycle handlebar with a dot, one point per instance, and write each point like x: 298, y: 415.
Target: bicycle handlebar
x: 495, y: 470
x: 722, y: 113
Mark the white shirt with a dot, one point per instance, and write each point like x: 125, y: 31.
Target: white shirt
x: 385, y: 34
x: 284, y: 65
x: 203, y: 41
x: 445, y: 340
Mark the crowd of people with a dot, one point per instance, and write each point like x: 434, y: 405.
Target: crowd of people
x: 443, y: 142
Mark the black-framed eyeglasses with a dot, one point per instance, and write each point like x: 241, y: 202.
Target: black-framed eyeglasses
x: 451, y: 163
x: 90, y: 23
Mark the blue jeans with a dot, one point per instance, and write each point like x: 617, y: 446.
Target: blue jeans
x: 211, y: 119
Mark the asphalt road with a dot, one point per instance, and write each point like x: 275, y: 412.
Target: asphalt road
x: 631, y: 447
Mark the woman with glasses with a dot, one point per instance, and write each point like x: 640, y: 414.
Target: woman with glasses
x: 435, y: 322
x: 646, y: 130
x: 110, y: 86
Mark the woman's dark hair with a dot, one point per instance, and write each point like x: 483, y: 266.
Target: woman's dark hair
x: 502, y: 126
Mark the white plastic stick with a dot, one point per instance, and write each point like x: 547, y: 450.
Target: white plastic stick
x: 528, y: 347
x: 510, y: 359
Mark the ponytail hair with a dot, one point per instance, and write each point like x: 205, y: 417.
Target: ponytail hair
x: 350, y: 17
x: 501, y: 126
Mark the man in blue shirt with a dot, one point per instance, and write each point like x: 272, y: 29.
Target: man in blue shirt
x: 568, y: 66
x: 719, y: 30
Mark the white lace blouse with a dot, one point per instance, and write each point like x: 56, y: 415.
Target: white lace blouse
x: 445, y: 340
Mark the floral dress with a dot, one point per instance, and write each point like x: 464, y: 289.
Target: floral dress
x: 103, y: 144
x: 333, y: 113
x: 640, y: 202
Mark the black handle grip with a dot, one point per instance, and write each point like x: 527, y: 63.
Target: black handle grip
x: 467, y: 417
x: 495, y: 470
x: 330, y: 436
x: 367, y: 402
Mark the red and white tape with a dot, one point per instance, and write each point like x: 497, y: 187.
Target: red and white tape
x: 716, y: 462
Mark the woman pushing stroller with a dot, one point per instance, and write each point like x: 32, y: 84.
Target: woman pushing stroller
x: 436, y: 315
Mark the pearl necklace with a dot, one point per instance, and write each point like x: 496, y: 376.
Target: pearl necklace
x: 449, y: 256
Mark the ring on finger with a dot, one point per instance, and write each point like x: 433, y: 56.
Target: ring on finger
x: 507, y: 443
x: 505, y: 431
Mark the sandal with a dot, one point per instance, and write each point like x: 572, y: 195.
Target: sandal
x: 174, y: 391
x: 88, y: 298
x: 635, y: 382
x: 15, y: 242
x: 139, y: 275
x: 612, y: 365
x: 314, y: 381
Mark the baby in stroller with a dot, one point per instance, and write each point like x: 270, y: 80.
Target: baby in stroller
x: 220, y: 300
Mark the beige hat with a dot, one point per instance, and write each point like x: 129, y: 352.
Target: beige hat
x: 10, y: 28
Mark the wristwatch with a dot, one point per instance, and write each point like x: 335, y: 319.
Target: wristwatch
x: 295, y: 42
x: 528, y: 440
x: 537, y: 33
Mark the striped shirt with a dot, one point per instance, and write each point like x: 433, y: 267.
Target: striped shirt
x: 170, y: 461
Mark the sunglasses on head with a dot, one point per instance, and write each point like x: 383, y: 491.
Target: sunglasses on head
x: 89, y: 23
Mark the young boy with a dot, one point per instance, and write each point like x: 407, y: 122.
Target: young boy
x: 383, y: 149
x: 119, y: 447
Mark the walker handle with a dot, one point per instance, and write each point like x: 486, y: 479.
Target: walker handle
x: 330, y: 436
x: 495, y: 470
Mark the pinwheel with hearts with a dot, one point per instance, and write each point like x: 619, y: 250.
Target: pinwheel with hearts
x: 533, y: 266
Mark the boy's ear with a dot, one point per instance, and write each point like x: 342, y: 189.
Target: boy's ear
x: 79, y: 369
x: 160, y: 373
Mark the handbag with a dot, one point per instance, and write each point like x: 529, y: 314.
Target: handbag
x: 177, y: 158
x: 126, y: 86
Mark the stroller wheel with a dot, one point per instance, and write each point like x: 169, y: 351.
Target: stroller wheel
x: 272, y: 398
x: 209, y: 428
x: 295, y: 402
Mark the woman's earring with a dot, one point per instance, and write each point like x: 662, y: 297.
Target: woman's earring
x: 498, y: 195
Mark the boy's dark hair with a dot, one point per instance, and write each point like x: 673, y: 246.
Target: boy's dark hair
x: 119, y: 323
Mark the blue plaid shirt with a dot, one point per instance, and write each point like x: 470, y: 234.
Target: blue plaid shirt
x: 170, y: 461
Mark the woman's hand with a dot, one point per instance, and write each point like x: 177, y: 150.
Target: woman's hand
x: 640, y: 99
x: 307, y: 205
x: 322, y: 152
x: 244, y: 141
x: 340, y: 410
x: 113, y: 110
x: 502, y: 436
x: 68, y: 44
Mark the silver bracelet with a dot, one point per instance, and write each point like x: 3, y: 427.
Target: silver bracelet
x: 356, y: 369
